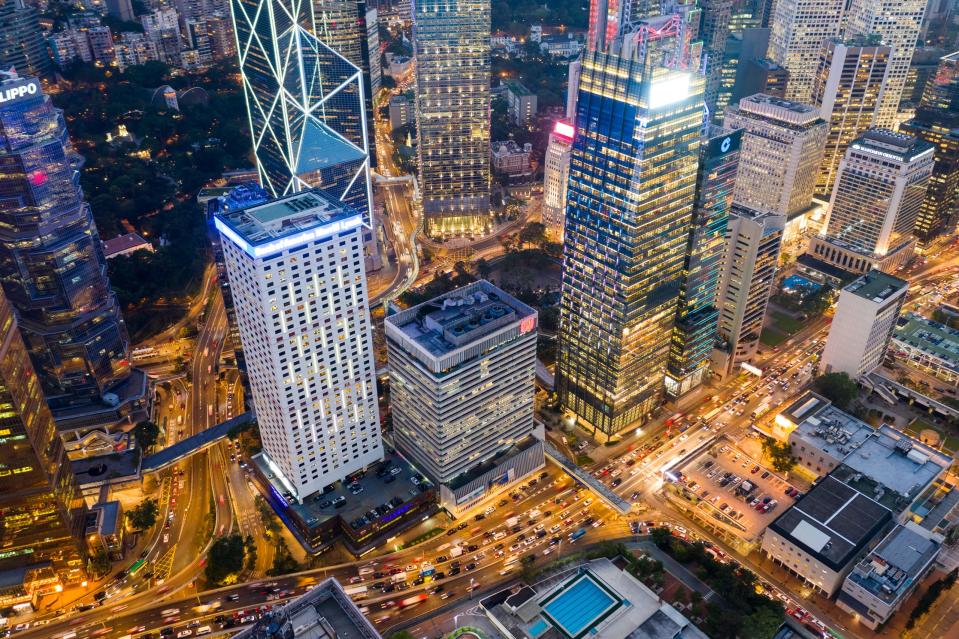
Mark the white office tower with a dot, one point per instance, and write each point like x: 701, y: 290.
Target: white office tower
x: 875, y: 203
x: 299, y: 287
x: 865, y: 318
x: 797, y: 30
x: 462, y: 374
x: 897, y: 23
x: 555, y: 178
x: 753, y: 241
x: 782, y: 149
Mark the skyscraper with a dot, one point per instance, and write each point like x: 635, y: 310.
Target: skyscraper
x: 556, y: 178
x: 299, y: 289
x: 22, y: 46
x: 630, y: 200
x: 41, y: 506
x: 781, y: 153
x: 716, y: 15
x: 876, y: 202
x: 462, y: 379
x: 942, y: 90
x: 306, y: 103
x: 51, y: 261
x: 897, y: 23
x: 753, y: 241
x: 798, y: 29
x: 848, y: 84
x: 694, y: 334
x: 451, y: 46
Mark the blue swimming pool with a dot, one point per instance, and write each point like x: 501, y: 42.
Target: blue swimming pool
x: 797, y: 282
x: 579, y: 606
x: 537, y: 628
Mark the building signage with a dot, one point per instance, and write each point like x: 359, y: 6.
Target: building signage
x: 723, y: 145
x: 13, y: 93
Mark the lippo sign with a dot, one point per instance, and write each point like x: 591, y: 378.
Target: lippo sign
x: 14, y: 93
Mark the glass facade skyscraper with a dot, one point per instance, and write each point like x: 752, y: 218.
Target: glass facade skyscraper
x: 631, y: 197
x: 51, y: 261
x: 694, y: 334
x: 451, y: 45
x: 40, y: 505
x: 22, y: 45
x: 306, y: 103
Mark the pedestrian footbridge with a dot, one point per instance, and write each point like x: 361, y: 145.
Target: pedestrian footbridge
x: 193, y: 444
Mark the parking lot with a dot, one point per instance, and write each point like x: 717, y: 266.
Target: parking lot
x: 735, y: 489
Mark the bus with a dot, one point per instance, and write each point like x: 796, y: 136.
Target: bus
x: 139, y: 563
x: 356, y: 592
x: 143, y: 353
x: 760, y: 410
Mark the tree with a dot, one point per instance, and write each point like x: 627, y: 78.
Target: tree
x: 483, y: 268
x: 839, y: 388
x: 146, y: 433
x: 780, y: 454
x: 144, y: 515
x: 100, y: 563
x: 661, y: 537
x: 283, y: 561
x: 402, y: 634
x: 761, y: 624
x: 224, y: 559
x: 533, y: 233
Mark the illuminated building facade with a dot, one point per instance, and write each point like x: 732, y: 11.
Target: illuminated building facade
x: 875, y: 202
x: 941, y: 129
x: 753, y: 242
x: 897, y: 23
x: 942, y: 90
x: 306, y: 103
x: 40, y: 504
x: 797, y: 30
x: 22, y: 44
x: 462, y: 379
x: 296, y: 273
x: 451, y: 44
x: 630, y: 201
x: 848, y: 85
x: 556, y: 178
x: 694, y: 334
x: 51, y: 259
x: 716, y: 16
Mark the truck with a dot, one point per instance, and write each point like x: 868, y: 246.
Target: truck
x: 427, y: 571
x: 512, y: 521
x: 746, y: 487
x: 356, y: 592
x: 412, y: 601
x: 760, y: 410
x: 536, y: 512
x: 366, y: 570
x: 576, y: 535
x: 456, y: 551
x: 398, y: 577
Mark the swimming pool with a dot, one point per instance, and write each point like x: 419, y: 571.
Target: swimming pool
x: 579, y: 606
x: 797, y: 281
x: 537, y: 628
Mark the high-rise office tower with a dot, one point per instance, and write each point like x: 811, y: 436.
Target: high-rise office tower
x: 299, y: 289
x: 753, y: 241
x: 798, y: 29
x: 942, y: 90
x: 22, y: 46
x: 630, y: 201
x: 876, y: 202
x: 714, y: 31
x: 121, y: 9
x: 452, y: 54
x: 51, y: 262
x: 865, y: 318
x: 462, y: 379
x: 847, y: 90
x: 307, y: 118
x: 897, y: 23
x: 351, y: 30
x: 694, y: 334
x: 781, y: 153
x: 556, y: 178
x: 41, y: 506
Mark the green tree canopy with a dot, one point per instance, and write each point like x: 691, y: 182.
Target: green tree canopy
x: 780, y: 454
x: 838, y: 388
x: 761, y: 624
x: 225, y: 558
x: 144, y: 515
x: 146, y: 433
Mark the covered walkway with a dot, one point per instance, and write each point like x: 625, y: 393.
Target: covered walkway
x: 193, y: 444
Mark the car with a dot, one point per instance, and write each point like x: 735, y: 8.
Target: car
x: 186, y: 632
x: 754, y: 470
x: 765, y: 475
x: 724, y: 507
x: 233, y: 597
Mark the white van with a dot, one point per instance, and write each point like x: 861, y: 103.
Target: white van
x: 203, y: 630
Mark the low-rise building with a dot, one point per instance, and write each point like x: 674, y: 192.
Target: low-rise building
x: 125, y: 245
x: 884, y: 578
x: 104, y: 529
x: 521, y: 102
x: 819, y: 434
x: 560, y: 45
x: 511, y: 159
x: 824, y: 535
x: 928, y: 346
x: 866, y: 315
x: 325, y: 612
x: 597, y: 600
x: 401, y: 111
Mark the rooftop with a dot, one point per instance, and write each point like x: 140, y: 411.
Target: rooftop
x: 508, y: 147
x: 832, y: 523
x: 902, y: 146
x: 598, y: 600
x: 834, y: 431
x: 123, y: 243
x: 930, y: 337
x: 269, y: 227
x: 877, y: 286
x: 787, y: 111
x: 517, y: 88
x: 325, y: 612
x: 460, y: 318
x: 892, y: 567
